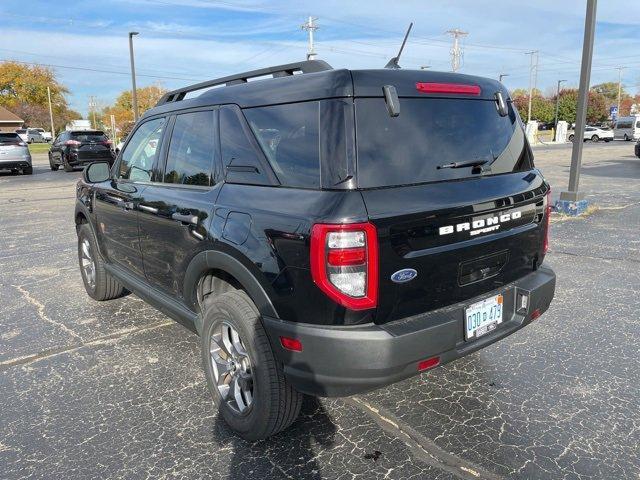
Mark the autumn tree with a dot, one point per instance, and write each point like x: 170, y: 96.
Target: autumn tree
x: 541, y: 108
x: 23, y: 90
x: 122, y: 108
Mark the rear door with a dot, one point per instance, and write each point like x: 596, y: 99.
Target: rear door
x: 176, y: 207
x: 465, y: 231
x: 91, y: 145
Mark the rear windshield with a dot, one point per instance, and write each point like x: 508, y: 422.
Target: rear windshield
x: 10, y: 139
x: 432, y: 132
x: 89, y: 136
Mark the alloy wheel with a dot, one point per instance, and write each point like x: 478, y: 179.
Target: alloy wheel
x: 87, y: 263
x: 231, y: 368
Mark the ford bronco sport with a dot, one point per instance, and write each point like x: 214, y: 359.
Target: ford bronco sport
x: 324, y: 231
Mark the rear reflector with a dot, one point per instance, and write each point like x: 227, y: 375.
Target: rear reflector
x: 429, y: 363
x: 535, y: 314
x: 457, y: 88
x: 291, y: 344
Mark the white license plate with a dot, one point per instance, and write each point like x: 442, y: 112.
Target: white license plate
x: 483, y: 317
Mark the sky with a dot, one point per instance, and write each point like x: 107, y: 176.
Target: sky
x: 188, y: 41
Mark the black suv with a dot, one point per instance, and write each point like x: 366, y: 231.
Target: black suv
x: 75, y: 148
x: 324, y: 231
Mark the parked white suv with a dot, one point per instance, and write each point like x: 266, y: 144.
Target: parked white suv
x: 595, y: 134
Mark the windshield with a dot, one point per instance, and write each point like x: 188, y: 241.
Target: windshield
x: 436, y: 132
x: 89, y: 136
x: 10, y: 139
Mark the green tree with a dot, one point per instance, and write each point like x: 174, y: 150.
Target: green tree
x: 597, y: 109
x: 610, y: 91
x: 23, y: 90
x: 122, y: 108
x: 542, y: 109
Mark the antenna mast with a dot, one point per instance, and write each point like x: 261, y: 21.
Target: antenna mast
x: 393, y: 63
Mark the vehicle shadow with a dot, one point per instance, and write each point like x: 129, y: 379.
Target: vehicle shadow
x: 291, y: 453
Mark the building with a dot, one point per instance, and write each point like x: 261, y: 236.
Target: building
x: 78, y: 125
x: 9, y: 121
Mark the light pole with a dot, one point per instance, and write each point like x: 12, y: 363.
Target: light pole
x: 502, y: 75
x: 53, y: 131
x: 573, y: 198
x: 134, y: 94
x: 555, y: 124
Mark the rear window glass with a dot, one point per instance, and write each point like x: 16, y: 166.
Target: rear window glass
x: 89, y: 136
x: 288, y: 135
x: 432, y: 132
x: 190, y: 159
x: 10, y: 139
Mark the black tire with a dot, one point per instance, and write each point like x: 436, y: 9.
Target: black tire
x: 67, y: 167
x: 53, y: 166
x: 275, y: 404
x: 104, y: 287
x: 27, y: 170
x: 595, y: 138
x: 571, y: 138
x: 607, y: 140
x: 626, y: 137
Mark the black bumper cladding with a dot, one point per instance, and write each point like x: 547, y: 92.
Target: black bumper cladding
x: 17, y: 165
x: 341, y: 361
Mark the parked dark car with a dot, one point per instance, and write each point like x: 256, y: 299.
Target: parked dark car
x: 325, y: 233
x: 76, y: 148
x: 14, y: 154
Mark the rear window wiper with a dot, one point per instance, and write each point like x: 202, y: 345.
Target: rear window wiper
x: 470, y: 163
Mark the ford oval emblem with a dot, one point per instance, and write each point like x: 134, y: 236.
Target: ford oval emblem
x: 404, y: 275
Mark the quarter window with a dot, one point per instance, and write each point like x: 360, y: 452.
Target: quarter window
x: 288, y: 135
x: 139, y: 155
x: 191, y: 151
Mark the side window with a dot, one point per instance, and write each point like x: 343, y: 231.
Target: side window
x: 241, y: 156
x: 140, y: 153
x: 191, y: 151
x: 288, y: 135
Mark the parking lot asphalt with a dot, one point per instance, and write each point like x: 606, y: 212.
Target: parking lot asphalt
x: 116, y: 390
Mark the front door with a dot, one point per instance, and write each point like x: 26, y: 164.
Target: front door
x: 175, y: 210
x: 117, y: 201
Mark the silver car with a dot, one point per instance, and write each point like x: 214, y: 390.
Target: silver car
x: 14, y: 154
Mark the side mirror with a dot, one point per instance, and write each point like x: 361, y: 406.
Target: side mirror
x: 97, y: 172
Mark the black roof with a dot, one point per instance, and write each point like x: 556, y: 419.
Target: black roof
x: 318, y: 82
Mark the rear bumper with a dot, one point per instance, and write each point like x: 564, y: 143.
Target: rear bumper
x: 341, y: 361
x: 15, y: 164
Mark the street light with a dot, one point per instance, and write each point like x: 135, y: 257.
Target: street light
x: 555, y: 124
x: 134, y: 94
x: 424, y: 67
x: 503, y: 75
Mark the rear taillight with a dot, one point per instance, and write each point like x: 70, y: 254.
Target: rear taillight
x: 547, y: 221
x: 106, y: 142
x: 73, y: 143
x: 344, y: 263
x: 458, y: 88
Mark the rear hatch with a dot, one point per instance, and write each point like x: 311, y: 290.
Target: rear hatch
x: 91, y: 145
x: 12, y: 147
x: 465, y: 231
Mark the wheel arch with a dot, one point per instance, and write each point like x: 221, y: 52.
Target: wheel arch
x: 233, y: 271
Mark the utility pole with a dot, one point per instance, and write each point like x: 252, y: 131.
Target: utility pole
x: 531, y: 67
x: 310, y: 27
x: 619, y: 88
x: 555, y: 124
x: 92, y: 110
x: 569, y: 199
x: 134, y: 93
x: 502, y: 75
x: 456, y: 51
x: 53, y: 131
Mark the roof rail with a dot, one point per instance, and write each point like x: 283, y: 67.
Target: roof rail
x: 308, y: 66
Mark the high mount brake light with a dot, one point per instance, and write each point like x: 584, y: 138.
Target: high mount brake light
x: 458, y: 88
x: 547, y: 221
x: 344, y: 263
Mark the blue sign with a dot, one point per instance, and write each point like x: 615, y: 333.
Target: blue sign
x: 613, y: 112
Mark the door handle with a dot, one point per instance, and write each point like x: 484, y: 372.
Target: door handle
x: 186, y: 219
x: 121, y: 203
x: 148, y: 209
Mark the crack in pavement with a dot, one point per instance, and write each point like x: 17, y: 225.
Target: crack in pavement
x: 424, y: 448
x: 42, y: 315
x: 105, y: 340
